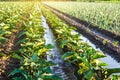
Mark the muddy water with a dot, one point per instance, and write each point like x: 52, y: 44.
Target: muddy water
x: 62, y: 68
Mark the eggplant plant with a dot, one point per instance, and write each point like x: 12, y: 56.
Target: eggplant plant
x: 32, y: 54
x: 76, y: 51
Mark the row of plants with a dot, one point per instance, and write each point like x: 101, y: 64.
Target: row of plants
x: 11, y: 13
x: 104, y: 15
x: 32, y: 54
x: 78, y: 52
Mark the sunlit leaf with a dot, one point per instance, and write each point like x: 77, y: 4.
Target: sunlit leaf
x: 98, y: 55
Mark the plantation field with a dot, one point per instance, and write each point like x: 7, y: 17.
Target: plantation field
x: 22, y: 44
x: 10, y: 15
x: 24, y: 49
x: 104, y: 15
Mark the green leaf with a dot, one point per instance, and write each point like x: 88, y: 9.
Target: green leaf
x: 1, y: 54
x: 49, y: 46
x: 2, y: 32
x: 50, y: 63
x: 100, y: 63
x: 98, y: 55
x: 16, y: 56
x: 18, y: 78
x: 67, y: 55
x: 114, y: 77
x: 20, y: 41
x: 21, y: 34
x: 42, y: 51
x: 15, y: 72
x: 86, y: 62
x: 2, y: 39
x: 35, y: 57
x: 88, y: 74
x: 47, y: 70
x: 63, y: 43
x: 50, y: 77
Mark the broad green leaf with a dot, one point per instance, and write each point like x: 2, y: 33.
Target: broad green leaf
x: 88, y: 74
x: 21, y: 34
x: 67, y: 55
x: 15, y: 72
x: 100, y: 63
x: 98, y: 55
x: 16, y: 56
x: 47, y: 70
x: 21, y: 41
x: 42, y: 51
x: 115, y: 77
x: 2, y: 32
x: 86, y: 62
x: 49, y: 46
x: 35, y: 57
x: 2, y: 39
x: 63, y: 43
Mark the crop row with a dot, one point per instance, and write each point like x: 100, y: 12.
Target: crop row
x: 32, y: 51
x: 104, y: 15
x: 76, y: 51
x: 10, y: 16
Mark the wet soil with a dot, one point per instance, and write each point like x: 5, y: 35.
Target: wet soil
x: 6, y: 66
x: 98, y: 39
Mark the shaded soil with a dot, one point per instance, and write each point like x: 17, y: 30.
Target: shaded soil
x: 6, y: 66
x: 107, y: 47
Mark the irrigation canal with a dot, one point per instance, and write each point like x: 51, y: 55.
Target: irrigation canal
x: 104, y: 42
x: 62, y: 68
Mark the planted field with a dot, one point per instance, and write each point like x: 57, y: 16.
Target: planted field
x: 75, y: 50
x: 25, y: 58
x: 30, y: 36
x: 104, y: 15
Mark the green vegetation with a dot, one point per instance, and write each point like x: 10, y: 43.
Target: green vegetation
x: 10, y: 15
x: 33, y: 60
x: 32, y: 52
x: 76, y: 51
x: 104, y: 15
x: 24, y: 18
